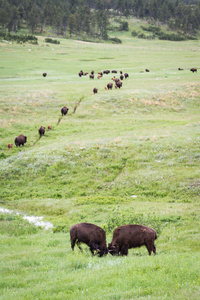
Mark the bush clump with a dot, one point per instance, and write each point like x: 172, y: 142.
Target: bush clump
x: 49, y: 40
x: 19, y: 38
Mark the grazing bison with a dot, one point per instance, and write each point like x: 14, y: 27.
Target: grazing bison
x: 44, y: 74
x: 41, y: 131
x: 126, y: 75
x: 118, y: 84
x: 121, y: 72
x: 114, y: 71
x: 193, y: 70
x: 91, y: 235
x: 147, y: 70
x: 64, y: 110
x: 92, y: 76
x: 106, y: 72
x: 92, y: 72
x: 132, y: 236
x: 20, y: 140
x: 109, y: 86
x: 121, y: 77
x: 9, y: 146
x: 80, y: 73
x: 49, y: 127
x: 95, y: 90
x: 180, y: 69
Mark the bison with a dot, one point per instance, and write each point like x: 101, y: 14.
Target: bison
x: 126, y: 75
x: 80, y: 73
x: 91, y: 76
x: 147, y: 70
x: 64, y: 110
x: 41, y: 131
x: 91, y: 235
x: 9, y: 146
x: 114, y: 71
x: 118, y: 84
x: 44, y: 74
x: 49, y: 127
x: 95, y: 90
x: 20, y: 140
x: 121, y: 77
x: 106, y: 72
x: 193, y: 70
x: 132, y: 236
x: 109, y: 86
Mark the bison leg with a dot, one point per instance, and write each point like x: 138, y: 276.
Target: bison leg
x: 78, y: 244
x: 73, y: 241
x: 124, y: 250
x: 150, y: 247
x: 154, y: 249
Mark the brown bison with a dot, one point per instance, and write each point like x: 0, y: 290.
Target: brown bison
x: 106, y: 72
x: 114, y: 71
x: 109, y: 86
x: 80, y: 73
x: 118, y: 84
x: 49, y: 127
x: 132, y: 236
x: 20, y: 140
x: 64, y: 110
x: 180, y: 69
x: 126, y: 75
x: 147, y: 70
x: 95, y: 90
x: 121, y: 77
x: 9, y: 146
x: 193, y: 70
x: 41, y: 131
x: 91, y: 76
x: 91, y: 235
x: 44, y: 74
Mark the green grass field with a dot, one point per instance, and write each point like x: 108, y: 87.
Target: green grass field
x: 128, y: 155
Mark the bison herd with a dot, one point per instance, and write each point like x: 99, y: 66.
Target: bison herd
x: 124, y: 237
x: 109, y: 86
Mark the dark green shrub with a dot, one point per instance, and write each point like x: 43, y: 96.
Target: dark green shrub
x: 115, y: 40
x: 49, y: 40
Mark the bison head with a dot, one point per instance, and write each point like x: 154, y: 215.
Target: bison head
x: 113, y: 249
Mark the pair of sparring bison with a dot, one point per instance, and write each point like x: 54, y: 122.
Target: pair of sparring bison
x: 124, y: 237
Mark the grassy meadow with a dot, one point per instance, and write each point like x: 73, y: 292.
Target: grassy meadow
x: 128, y: 155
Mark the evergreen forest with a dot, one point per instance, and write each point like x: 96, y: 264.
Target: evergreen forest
x: 92, y: 17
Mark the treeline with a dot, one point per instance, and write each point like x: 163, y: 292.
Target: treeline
x: 91, y: 17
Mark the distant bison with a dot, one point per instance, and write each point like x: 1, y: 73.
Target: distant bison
x: 41, y: 131
x: 91, y: 235
x: 121, y: 77
x: 126, y: 75
x: 109, y: 86
x: 80, y: 73
x: 9, y: 146
x: 106, y: 72
x: 132, y: 236
x: 180, y: 69
x: 49, y: 127
x: 91, y: 76
x: 114, y: 71
x: 95, y: 90
x: 118, y: 84
x: 20, y: 140
x: 193, y: 70
x: 64, y: 110
x: 147, y: 70
x: 44, y: 74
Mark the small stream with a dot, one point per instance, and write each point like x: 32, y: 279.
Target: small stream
x: 37, y: 221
